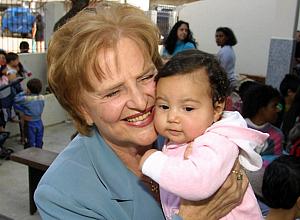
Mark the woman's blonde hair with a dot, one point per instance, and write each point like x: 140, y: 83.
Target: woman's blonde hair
x: 73, y: 49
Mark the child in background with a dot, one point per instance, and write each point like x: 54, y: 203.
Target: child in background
x: 24, y: 47
x: 281, y: 188
x: 2, y: 58
x: 31, y: 104
x: 202, y: 141
x: 260, y: 109
x: 12, y: 62
x: 3, y: 93
x: 288, y: 88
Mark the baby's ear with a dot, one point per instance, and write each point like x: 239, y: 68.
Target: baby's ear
x: 218, y: 110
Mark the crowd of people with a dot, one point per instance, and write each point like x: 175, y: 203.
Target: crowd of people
x: 272, y: 111
x: 20, y: 103
x: 159, y: 136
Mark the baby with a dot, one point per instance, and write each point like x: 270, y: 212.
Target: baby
x: 202, y: 141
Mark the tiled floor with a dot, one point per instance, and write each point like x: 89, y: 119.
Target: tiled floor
x: 14, y: 201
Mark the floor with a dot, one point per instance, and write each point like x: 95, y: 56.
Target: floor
x: 14, y: 201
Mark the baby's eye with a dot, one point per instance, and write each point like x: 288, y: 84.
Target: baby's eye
x: 164, y: 107
x: 188, y: 109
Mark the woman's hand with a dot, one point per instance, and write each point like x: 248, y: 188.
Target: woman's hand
x: 222, y: 202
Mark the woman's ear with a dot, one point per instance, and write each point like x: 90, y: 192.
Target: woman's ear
x: 218, y: 110
x: 86, y: 116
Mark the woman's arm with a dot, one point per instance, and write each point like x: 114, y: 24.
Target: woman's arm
x: 221, y: 203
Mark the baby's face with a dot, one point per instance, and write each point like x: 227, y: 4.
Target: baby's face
x: 184, y: 108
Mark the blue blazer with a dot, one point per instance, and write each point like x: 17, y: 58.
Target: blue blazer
x: 88, y: 181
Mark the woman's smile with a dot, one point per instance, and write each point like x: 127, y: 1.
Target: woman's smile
x: 141, y: 119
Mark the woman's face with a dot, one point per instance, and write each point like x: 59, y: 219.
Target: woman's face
x: 220, y: 38
x: 122, y: 103
x: 182, y: 32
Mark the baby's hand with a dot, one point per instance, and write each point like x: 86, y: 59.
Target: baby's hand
x: 145, y: 156
x: 188, y: 151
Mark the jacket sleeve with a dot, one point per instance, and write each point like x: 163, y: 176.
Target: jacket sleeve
x: 20, y: 97
x: 199, y: 176
x: 53, y: 204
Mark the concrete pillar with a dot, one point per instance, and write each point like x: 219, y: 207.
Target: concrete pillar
x: 53, y: 12
x: 282, y: 43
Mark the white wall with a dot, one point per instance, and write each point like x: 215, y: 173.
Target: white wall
x: 252, y: 21
x: 36, y: 64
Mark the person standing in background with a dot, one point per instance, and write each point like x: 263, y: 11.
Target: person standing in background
x: 226, y: 39
x: 38, y: 32
x: 180, y: 38
x: 31, y: 104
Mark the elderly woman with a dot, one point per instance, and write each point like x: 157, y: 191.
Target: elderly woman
x: 102, y: 65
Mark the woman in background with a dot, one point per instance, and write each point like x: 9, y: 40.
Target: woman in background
x: 39, y: 33
x: 226, y: 39
x: 180, y: 38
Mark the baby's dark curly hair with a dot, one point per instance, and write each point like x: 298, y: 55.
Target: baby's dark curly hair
x: 188, y: 61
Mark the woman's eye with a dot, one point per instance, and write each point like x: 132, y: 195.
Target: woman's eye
x: 112, y: 94
x: 188, y: 109
x: 148, y: 77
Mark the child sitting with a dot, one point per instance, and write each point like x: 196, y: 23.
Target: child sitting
x: 281, y: 188
x: 260, y: 109
x: 202, y: 140
x: 31, y: 104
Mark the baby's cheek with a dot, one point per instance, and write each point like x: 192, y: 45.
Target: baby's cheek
x: 158, y: 123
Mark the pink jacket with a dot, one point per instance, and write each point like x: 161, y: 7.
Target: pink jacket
x: 212, y: 158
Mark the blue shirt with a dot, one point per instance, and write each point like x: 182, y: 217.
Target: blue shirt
x: 88, y: 181
x: 180, y: 46
x: 226, y: 57
x: 31, y: 105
